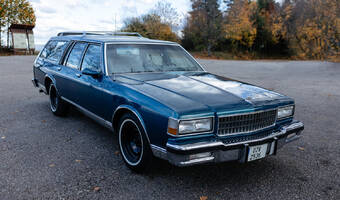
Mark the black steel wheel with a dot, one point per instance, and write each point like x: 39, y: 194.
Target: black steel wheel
x: 133, y: 144
x: 57, y: 105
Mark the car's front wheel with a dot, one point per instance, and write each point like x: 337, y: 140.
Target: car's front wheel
x: 57, y: 105
x: 133, y: 144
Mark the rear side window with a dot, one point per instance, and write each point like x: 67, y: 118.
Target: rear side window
x: 73, y: 60
x: 92, y: 58
x: 54, y: 50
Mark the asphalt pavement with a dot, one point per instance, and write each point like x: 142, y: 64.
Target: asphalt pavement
x: 47, y: 157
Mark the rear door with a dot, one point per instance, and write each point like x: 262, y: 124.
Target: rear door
x: 69, y: 79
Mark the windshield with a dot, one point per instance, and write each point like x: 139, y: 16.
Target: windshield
x: 134, y: 58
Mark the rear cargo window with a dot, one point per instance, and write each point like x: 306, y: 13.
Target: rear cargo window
x: 54, y: 50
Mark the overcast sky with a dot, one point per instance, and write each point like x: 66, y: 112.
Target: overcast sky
x: 54, y: 16
x: 74, y: 15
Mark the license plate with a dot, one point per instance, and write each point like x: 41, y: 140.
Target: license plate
x: 257, y: 152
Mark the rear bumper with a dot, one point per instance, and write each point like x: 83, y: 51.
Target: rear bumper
x: 218, y: 151
x: 38, y: 85
x: 35, y: 82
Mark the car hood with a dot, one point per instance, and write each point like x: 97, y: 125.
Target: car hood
x: 197, y: 92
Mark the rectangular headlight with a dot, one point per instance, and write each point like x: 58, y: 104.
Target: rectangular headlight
x: 183, y: 127
x: 285, y: 112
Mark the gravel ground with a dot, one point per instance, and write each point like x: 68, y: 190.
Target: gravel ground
x: 46, y: 157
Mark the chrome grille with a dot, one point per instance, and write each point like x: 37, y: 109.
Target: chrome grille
x: 244, y: 123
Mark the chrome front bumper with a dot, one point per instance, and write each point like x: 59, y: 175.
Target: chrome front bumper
x: 218, y: 151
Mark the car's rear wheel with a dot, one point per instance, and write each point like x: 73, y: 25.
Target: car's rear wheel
x: 133, y: 144
x: 57, y: 105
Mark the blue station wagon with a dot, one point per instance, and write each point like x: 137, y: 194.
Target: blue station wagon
x: 160, y: 100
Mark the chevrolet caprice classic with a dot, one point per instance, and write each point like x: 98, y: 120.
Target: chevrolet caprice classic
x: 160, y: 100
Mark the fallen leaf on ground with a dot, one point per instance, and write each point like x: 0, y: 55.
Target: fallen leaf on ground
x: 301, y: 148
x: 116, y: 152
x: 78, y: 161
x: 203, y: 198
x: 96, y: 189
x: 43, y: 121
x: 52, y: 165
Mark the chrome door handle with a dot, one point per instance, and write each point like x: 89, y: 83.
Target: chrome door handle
x: 78, y: 75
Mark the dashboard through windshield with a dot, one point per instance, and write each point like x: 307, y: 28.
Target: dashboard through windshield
x: 137, y: 58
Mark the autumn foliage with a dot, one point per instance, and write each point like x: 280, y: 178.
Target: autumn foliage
x: 307, y: 29
x: 150, y: 26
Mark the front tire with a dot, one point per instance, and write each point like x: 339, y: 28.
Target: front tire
x: 133, y: 144
x: 57, y: 105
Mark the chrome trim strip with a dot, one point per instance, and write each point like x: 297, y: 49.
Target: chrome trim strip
x: 90, y: 114
x: 159, y: 151
x: 246, y: 113
x: 199, y: 145
x: 196, y: 161
x: 293, y: 126
x: 105, y: 60
x: 42, y: 87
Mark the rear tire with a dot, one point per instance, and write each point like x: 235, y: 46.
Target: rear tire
x: 58, y: 106
x: 133, y: 144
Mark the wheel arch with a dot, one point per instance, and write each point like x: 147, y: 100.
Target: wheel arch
x: 47, y: 82
x: 120, y: 111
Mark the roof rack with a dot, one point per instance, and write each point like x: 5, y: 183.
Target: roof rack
x: 84, y: 33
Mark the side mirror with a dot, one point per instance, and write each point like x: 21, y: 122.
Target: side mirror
x: 90, y: 72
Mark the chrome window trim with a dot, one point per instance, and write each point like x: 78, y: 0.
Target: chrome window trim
x: 246, y: 113
x: 194, y: 133
x: 150, y: 43
x: 193, y: 58
x: 69, y: 52
x: 85, y: 51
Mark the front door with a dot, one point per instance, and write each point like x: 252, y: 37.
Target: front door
x: 94, y: 97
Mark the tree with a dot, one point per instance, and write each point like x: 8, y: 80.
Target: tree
x: 151, y: 26
x: 2, y: 18
x: 316, y: 31
x: 265, y: 13
x: 167, y: 13
x: 239, y: 26
x: 16, y: 11
x: 203, y: 26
